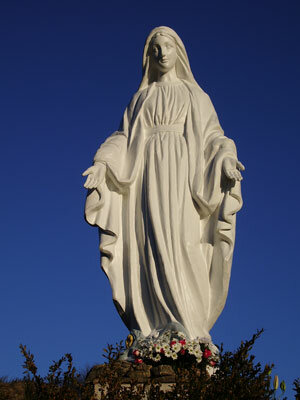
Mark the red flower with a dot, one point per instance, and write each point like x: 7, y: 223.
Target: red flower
x: 162, y: 351
x: 138, y: 361
x: 212, y: 363
x: 182, y: 352
x: 172, y: 343
x: 206, y: 353
x: 136, y: 353
x: 182, y: 342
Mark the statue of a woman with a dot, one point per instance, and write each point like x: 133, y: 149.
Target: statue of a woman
x: 164, y: 190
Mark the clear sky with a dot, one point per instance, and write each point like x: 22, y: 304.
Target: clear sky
x: 67, y: 70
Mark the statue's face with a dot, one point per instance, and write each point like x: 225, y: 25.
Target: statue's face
x: 163, y: 53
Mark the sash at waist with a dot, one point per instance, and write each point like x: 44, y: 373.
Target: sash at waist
x: 178, y: 128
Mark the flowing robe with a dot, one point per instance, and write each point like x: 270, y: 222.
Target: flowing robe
x: 166, y: 211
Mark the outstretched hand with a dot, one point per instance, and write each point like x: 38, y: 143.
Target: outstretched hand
x: 96, y: 175
x: 232, y: 168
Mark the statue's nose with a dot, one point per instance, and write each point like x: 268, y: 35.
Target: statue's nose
x: 162, y: 52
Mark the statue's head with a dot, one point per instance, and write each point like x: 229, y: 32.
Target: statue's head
x: 163, y: 51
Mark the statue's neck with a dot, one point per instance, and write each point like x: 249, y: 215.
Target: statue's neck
x: 167, y: 76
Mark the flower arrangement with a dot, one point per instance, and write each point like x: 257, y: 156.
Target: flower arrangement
x: 171, y: 346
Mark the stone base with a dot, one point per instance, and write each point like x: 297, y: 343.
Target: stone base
x: 165, y: 387
x: 127, y: 374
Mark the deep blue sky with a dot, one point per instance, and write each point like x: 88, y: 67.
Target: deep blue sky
x: 68, y: 70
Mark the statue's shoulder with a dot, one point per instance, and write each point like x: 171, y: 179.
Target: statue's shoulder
x: 196, y: 92
x: 194, y: 88
x: 137, y: 97
x: 135, y: 103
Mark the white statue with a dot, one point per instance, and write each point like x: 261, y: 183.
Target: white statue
x: 164, y: 190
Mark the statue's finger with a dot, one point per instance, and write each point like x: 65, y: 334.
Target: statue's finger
x: 227, y: 173
x: 240, y: 166
x: 88, y: 181
x: 230, y: 174
x: 237, y: 176
x: 92, y: 183
x: 87, y: 185
x: 87, y: 171
x: 234, y: 175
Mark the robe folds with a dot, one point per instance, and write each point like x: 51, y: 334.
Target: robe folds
x: 166, y: 211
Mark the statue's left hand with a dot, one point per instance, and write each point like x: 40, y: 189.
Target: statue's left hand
x: 96, y: 175
x: 232, y: 168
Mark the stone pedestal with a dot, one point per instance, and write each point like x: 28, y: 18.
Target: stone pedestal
x: 128, y: 374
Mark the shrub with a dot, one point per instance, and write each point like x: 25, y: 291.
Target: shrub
x: 236, y: 377
x: 59, y: 384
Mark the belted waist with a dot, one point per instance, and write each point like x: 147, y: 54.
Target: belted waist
x: 178, y: 128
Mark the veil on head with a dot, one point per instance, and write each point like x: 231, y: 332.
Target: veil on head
x: 183, y: 69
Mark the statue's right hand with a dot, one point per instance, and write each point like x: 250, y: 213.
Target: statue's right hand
x: 96, y: 175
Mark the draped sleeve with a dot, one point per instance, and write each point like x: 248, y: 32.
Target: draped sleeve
x: 113, y: 151
x: 103, y: 205
x: 216, y: 197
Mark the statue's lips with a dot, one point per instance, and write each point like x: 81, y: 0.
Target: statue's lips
x: 163, y: 60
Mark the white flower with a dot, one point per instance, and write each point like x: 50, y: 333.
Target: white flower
x: 199, y: 359
x: 176, y: 347
x: 197, y: 348
x: 157, y: 357
x: 166, y: 346
x: 181, y: 334
x: 210, y: 370
x: 174, y: 356
x: 168, y: 353
x: 213, y: 348
x: 198, y: 353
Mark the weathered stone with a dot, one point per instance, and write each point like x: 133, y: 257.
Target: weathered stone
x: 142, y: 367
x: 140, y: 373
x: 122, y: 367
x: 138, y: 376
x: 164, y: 379
x: 163, y: 370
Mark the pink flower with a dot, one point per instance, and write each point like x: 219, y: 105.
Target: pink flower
x: 206, y: 353
x: 182, y: 352
x: 172, y: 343
x: 212, y: 363
x: 136, y: 353
x: 182, y: 342
x: 138, y: 361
